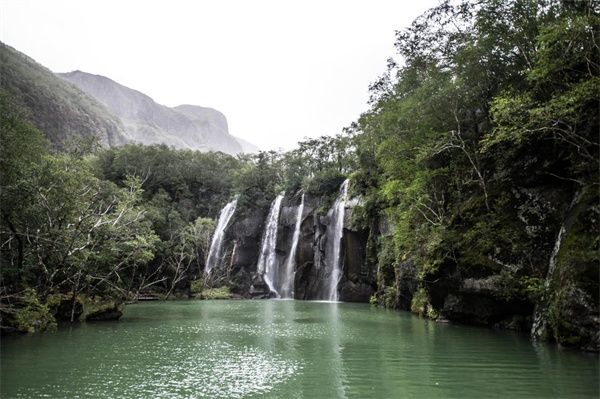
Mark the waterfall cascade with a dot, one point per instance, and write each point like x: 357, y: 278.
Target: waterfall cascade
x: 334, y: 243
x: 539, y: 325
x: 287, y: 280
x: 216, y: 247
x: 267, y: 261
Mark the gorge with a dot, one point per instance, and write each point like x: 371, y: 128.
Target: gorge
x: 445, y: 243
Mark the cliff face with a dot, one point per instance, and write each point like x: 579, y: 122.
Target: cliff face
x: 147, y: 122
x: 566, y: 310
x: 57, y: 108
x: 243, y: 244
x: 556, y: 298
x: 72, y: 105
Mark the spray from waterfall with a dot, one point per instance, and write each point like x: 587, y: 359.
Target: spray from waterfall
x: 267, y: 261
x: 287, y: 284
x: 216, y: 247
x: 334, y: 243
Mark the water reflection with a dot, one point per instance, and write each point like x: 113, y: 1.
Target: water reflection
x: 337, y: 367
x: 286, y: 349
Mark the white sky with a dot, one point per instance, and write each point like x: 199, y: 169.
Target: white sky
x: 279, y: 70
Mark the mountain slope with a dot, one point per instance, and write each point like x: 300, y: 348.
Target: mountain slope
x: 247, y: 146
x: 147, y: 122
x: 59, y: 109
x: 213, y: 124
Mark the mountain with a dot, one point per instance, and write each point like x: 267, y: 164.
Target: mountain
x: 68, y: 105
x: 247, y: 146
x: 147, y: 122
x: 214, y: 124
x: 57, y: 108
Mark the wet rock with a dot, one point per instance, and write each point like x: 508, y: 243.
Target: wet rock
x: 355, y: 292
x: 406, y: 283
x: 8, y: 330
x: 62, y: 307
x: 519, y: 323
x: 385, y: 225
x: 482, y: 309
x: 575, y: 320
x: 105, y: 312
x: 244, y: 237
x: 259, y: 289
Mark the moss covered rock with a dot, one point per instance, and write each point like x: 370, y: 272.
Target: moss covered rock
x: 101, y: 309
x: 215, y: 293
x: 26, y: 315
x: 64, y: 307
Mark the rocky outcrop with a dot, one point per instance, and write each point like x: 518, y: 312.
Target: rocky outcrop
x: 241, y: 251
x: 65, y: 307
x: 478, y: 301
x: 61, y: 111
x: 406, y: 284
x: 311, y: 272
x: 147, y: 122
x: 243, y: 243
x: 105, y: 312
x: 358, y: 281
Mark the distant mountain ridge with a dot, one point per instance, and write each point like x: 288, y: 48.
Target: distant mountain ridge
x: 147, y: 122
x: 247, y: 146
x: 79, y: 104
x: 58, y: 109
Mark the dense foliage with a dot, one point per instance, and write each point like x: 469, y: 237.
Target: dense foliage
x: 125, y: 221
x: 480, y: 148
x: 483, y: 144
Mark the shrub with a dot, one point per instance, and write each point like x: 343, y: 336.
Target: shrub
x: 216, y: 293
x: 28, y: 314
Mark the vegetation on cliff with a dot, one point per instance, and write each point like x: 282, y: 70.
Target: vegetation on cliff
x: 480, y: 149
x: 476, y: 145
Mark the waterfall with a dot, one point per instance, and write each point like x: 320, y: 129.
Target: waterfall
x: 287, y: 284
x: 267, y: 261
x: 334, y: 242
x: 539, y: 325
x: 216, y: 247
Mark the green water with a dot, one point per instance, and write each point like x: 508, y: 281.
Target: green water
x: 286, y: 349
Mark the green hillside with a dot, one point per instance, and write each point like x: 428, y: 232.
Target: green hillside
x: 59, y: 109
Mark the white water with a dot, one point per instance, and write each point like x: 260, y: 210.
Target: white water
x: 538, y: 328
x: 216, y: 247
x: 267, y: 261
x: 334, y: 243
x: 287, y: 285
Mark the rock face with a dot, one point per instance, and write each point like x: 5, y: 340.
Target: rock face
x: 65, y: 309
x: 113, y: 311
x: 243, y: 246
x: 72, y: 105
x: 146, y: 122
x: 562, y: 307
x: 406, y: 283
x: 58, y: 109
x: 241, y: 251
x: 247, y: 147
x: 478, y: 301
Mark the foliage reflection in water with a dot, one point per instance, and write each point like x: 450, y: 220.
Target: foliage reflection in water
x: 291, y: 349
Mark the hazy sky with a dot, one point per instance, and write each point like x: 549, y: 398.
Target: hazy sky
x: 278, y: 70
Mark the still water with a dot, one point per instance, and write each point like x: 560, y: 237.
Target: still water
x: 286, y: 349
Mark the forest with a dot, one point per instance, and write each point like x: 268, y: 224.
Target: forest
x: 480, y: 146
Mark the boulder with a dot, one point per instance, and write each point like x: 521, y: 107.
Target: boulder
x: 355, y: 292
x: 104, y: 311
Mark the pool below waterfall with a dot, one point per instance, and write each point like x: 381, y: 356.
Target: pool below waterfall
x: 286, y: 349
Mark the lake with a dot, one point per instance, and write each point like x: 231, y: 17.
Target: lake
x: 286, y: 349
